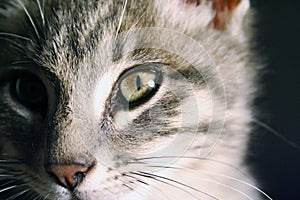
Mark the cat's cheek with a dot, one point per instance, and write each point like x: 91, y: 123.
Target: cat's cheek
x: 124, y: 118
x: 101, y: 182
x: 197, y: 109
x: 96, y: 177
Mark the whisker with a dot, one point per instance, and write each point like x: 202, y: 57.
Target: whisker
x: 11, y: 161
x: 8, y: 188
x: 43, y: 6
x: 239, y: 181
x: 18, y: 194
x: 180, y: 183
x: 21, y: 62
x: 6, y: 183
x: 130, y: 188
x: 192, y: 157
x: 136, y: 179
x: 211, y: 173
x: 211, y: 181
x: 5, y: 175
x: 35, y: 197
x: 11, y: 187
x: 16, y: 36
x: 134, y: 25
x: 41, y: 12
x: 29, y: 17
x: 276, y: 133
x: 157, y: 177
x: 13, y: 42
x: 121, y: 19
x: 137, y: 190
x: 219, y: 175
x: 161, y: 181
x: 145, y: 183
x: 142, y: 189
x: 45, y: 198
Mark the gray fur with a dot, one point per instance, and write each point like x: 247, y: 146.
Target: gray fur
x: 79, y: 50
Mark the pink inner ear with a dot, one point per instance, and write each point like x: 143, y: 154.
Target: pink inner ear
x: 223, y: 10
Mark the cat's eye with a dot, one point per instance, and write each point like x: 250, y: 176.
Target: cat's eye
x: 139, y: 85
x: 29, y: 91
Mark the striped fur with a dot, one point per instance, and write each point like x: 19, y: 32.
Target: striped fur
x: 188, y: 141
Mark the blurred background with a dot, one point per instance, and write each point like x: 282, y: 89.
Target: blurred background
x: 277, y: 163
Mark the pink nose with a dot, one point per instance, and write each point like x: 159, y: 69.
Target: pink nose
x: 69, y: 176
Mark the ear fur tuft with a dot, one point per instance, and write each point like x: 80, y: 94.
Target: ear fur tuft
x: 224, y: 9
x: 191, y: 16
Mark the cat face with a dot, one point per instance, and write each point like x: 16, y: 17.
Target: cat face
x: 96, y: 104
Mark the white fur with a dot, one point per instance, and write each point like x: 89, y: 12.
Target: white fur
x: 210, y: 163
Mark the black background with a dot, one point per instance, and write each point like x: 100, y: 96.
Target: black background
x: 276, y: 163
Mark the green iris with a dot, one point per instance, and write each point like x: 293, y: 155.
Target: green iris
x: 138, y: 85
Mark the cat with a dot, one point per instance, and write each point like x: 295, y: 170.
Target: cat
x: 126, y: 99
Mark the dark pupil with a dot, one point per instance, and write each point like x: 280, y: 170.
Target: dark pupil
x: 30, y: 91
x: 138, y: 83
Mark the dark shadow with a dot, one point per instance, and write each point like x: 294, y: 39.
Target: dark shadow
x: 276, y: 163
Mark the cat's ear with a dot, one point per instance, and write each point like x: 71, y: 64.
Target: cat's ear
x: 226, y: 11
x: 221, y: 15
x: 228, y: 14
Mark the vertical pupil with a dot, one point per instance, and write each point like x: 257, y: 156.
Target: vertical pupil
x: 138, y: 83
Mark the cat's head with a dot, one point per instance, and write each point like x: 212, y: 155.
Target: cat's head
x: 95, y: 95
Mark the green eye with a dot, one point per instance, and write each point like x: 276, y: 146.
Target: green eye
x: 138, y: 86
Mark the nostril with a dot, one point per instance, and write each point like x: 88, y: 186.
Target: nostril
x: 69, y: 176
x: 79, y: 176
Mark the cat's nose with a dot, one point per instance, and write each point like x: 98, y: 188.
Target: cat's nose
x: 69, y: 176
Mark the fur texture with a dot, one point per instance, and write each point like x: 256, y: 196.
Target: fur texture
x: 186, y: 141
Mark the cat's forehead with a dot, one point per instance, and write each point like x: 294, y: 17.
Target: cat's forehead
x: 85, y: 34
x: 85, y: 38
